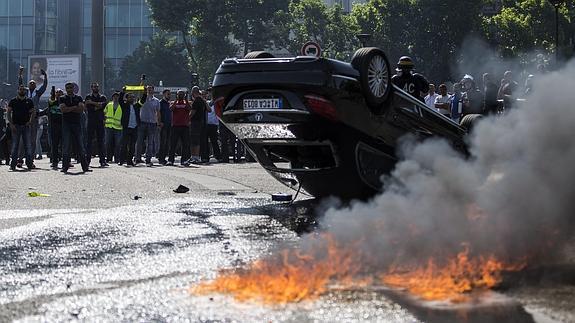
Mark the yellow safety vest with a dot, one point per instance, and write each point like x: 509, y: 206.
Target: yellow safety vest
x: 113, y: 120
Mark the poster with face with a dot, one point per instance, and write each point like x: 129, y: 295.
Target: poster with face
x: 61, y: 69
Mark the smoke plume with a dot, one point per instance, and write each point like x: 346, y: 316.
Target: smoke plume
x: 513, y: 197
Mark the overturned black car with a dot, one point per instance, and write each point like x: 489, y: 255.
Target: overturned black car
x: 324, y: 125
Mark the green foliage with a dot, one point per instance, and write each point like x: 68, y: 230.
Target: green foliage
x: 433, y: 32
x: 161, y: 59
x: 312, y: 20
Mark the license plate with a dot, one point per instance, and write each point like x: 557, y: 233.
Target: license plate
x: 258, y: 104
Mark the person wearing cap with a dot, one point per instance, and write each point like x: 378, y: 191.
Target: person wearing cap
x: 472, y: 97
x: 414, y: 84
x: 197, y: 123
x: 55, y: 125
x: 113, y: 129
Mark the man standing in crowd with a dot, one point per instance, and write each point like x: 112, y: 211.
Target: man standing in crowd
x: 5, y: 133
x: 113, y: 125
x: 21, y: 114
x: 150, y: 120
x: 34, y: 94
x: 212, y: 124
x: 431, y: 96
x: 55, y: 124
x: 456, y: 103
x: 95, y: 103
x: 507, y: 90
x: 442, y: 101
x: 72, y: 107
x: 197, y: 123
x: 413, y: 83
x: 472, y: 97
x: 166, y: 117
x: 180, y: 129
x: 130, y: 124
x: 490, y: 91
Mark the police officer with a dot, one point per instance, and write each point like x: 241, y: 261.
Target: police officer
x: 412, y: 83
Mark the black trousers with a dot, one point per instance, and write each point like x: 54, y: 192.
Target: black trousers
x: 96, y: 128
x: 128, y: 149
x: 5, y: 144
x: 164, y: 142
x: 55, y: 141
x: 181, y: 134
x: 227, y: 140
x: 212, y: 140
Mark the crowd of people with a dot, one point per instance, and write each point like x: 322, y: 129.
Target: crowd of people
x: 466, y: 96
x: 126, y: 130
x: 129, y: 131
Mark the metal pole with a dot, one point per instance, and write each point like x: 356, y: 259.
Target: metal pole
x: 557, y: 34
x: 98, y: 42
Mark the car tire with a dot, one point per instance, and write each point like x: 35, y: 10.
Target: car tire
x: 469, y: 121
x: 258, y: 54
x: 374, y: 75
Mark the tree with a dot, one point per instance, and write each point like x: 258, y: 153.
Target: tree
x: 179, y: 16
x: 431, y: 31
x: 161, y: 59
x: 333, y: 29
x: 256, y: 23
x: 527, y: 25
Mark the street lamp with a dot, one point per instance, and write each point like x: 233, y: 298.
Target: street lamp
x: 363, y: 39
x: 556, y: 4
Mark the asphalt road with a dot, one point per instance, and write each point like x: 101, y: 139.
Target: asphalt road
x: 91, y: 251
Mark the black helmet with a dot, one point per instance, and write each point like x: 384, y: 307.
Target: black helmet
x: 405, y: 63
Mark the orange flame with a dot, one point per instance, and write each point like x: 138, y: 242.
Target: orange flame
x: 295, y: 276
x: 452, y: 281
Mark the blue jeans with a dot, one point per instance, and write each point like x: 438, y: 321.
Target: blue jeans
x: 113, y: 140
x: 72, y: 132
x: 146, y: 131
x: 21, y: 132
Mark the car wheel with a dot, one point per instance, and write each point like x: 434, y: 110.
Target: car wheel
x: 258, y: 54
x: 374, y: 74
x: 469, y: 121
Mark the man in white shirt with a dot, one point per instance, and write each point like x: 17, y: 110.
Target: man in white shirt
x: 431, y: 95
x: 443, y: 101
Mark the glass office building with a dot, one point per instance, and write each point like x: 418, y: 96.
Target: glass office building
x: 47, y: 27
x: 127, y: 24
x: 30, y: 27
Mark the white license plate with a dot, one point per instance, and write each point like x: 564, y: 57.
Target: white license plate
x: 258, y: 104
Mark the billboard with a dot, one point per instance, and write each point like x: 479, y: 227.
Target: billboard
x: 61, y: 69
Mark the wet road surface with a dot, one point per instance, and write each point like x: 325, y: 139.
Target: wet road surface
x: 137, y: 263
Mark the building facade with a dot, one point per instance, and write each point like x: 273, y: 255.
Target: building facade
x: 49, y: 27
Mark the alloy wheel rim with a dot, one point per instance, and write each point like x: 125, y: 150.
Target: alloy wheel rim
x: 377, y: 76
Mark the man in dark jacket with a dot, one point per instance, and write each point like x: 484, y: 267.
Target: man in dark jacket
x: 130, y: 123
x: 72, y: 107
x: 21, y: 114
